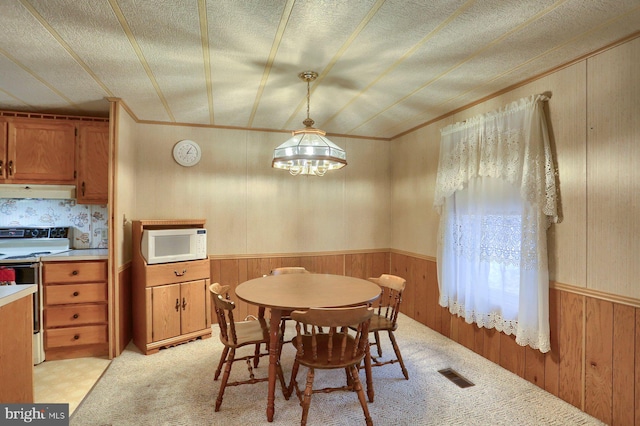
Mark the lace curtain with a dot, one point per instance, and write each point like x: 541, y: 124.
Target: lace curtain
x: 496, y: 196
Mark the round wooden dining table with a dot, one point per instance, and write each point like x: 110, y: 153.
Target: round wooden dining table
x: 288, y: 292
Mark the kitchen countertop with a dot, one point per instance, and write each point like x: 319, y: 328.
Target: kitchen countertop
x: 11, y: 293
x: 74, y: 255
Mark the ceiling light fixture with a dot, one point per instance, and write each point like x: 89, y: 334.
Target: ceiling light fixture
x: 309, y: 152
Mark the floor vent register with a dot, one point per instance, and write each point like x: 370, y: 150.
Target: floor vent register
x: 455, y: 377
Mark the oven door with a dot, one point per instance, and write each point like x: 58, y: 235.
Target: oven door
x: 28, y: 273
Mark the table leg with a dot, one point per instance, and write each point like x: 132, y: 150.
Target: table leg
x: 274, y: 341
x: 367, y: 369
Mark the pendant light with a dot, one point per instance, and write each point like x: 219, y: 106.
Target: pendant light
x: 308, y: 152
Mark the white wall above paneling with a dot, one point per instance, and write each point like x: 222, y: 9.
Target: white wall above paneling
x: 252, y: 208
x: 613, y: 175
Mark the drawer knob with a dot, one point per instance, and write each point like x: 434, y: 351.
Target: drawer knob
x: 178, y: 274
x: 75, y: 316
x: 74, y: 273
x: 76, y: 293
x: 76, y: 337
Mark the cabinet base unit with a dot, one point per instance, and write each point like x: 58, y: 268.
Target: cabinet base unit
x: 16, y: 349
x: 170, y: 301
x: 76, y: 318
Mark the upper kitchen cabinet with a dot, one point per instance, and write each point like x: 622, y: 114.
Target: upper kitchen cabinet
x: 38, y: 151
x: 92, y: 182
x: 3, y: 150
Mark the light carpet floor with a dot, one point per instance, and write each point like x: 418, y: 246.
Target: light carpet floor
x: 176, y: 387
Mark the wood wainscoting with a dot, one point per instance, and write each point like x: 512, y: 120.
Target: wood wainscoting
x: 594, y: 362
x: 233, y: 271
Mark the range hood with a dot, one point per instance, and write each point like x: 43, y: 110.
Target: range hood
x: 66, y: 192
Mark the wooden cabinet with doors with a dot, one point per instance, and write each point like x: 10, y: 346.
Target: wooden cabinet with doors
x: 92, y: 164
x: 37, y: 151
x: 76, y: 322
x: 170, y: 301
x: 3, y: 151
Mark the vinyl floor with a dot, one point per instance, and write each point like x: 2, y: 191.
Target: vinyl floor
x: 68, y: 380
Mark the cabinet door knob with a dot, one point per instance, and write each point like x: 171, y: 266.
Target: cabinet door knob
x: 177, y: 305
x: 178, y: 274
x: 75, y: 316
x: 83, y: 188
x: 184, y: 303
x: 10, y: 168
x: 76, y: 293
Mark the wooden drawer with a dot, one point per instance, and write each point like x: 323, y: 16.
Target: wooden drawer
x: 74, y: 315
x: 74, y: 272
x: 75, y: 293
x: 75, y: 336
x: 170, y: 273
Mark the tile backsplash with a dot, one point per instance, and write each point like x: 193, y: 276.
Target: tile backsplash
x: 88, y: 224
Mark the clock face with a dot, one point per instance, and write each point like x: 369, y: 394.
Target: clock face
x: 187, y: 153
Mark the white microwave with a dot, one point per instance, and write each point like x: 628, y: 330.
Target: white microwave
x: 173, y: 245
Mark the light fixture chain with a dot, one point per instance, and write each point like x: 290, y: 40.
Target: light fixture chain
x: 308, y: 99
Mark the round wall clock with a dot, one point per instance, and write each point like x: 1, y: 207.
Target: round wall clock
x: 187, y: 153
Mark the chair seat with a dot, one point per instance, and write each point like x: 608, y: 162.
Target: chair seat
x: 379, y: 323
x: 249, y: 332
x: 322, y: 359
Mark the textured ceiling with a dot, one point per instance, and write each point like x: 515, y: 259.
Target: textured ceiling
x: 384, y: 66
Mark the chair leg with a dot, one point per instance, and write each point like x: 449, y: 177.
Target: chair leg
x: 377, y: 337
x: 256, y: 355
x: 348, y: 374
x: 292, y: 382
x: 225, y: 378
x: 357, y: 386
x: 283, y: 385
x: 308, y: 391
x: 283, y: 326
x: 368, y: 374
x: 225, y: 351
x: 398, y: 355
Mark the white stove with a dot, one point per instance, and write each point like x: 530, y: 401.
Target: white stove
x: 21, y: 250
x: 29, y: 244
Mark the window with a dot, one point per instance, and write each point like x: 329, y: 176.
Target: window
x: 495, y: 192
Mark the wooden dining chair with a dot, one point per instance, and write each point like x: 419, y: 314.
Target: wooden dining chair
x: 385, y: 318
x: 334, y: 348
x: 234, y: 335
x: 289, y: 270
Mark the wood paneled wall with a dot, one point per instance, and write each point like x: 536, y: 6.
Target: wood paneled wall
x: 237, y: 270
x: 594, y: 362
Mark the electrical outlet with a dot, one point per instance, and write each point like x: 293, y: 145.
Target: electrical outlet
x: 104, y: 233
